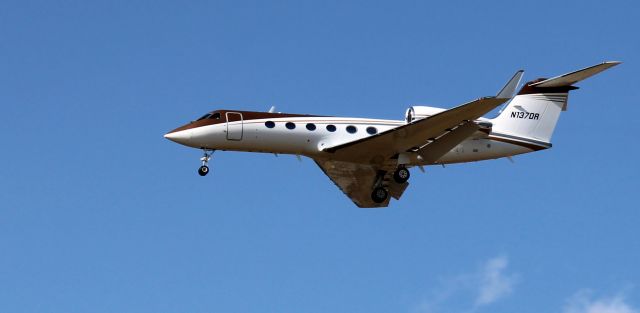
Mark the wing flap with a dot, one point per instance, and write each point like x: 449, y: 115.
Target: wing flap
x: 433, y: 151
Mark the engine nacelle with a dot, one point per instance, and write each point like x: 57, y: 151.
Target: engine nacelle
x: 419, y: 112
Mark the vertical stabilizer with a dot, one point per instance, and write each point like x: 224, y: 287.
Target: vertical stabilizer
x: 534, y: 112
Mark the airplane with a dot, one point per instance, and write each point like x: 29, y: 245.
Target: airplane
x: 369, y: 159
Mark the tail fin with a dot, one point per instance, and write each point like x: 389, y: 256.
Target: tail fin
x: 533, y: 113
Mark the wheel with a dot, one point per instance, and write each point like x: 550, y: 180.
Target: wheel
x: 203, y: 170
x: 401, y: 175
x: 379, y: 194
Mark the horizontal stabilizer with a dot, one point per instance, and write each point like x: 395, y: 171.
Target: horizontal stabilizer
x: 574, y: 77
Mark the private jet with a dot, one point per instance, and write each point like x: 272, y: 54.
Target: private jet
x: 369, y: 159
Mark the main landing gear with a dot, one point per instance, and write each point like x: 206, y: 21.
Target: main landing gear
x: 204, y: 169
x: 380, y: 193
x: 401, y: 175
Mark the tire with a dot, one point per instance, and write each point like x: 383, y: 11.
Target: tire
x: 379, y: 195
x: 401, y: 175
x: 203, y: 170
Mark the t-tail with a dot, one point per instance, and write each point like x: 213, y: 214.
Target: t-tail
x: 532, y: 114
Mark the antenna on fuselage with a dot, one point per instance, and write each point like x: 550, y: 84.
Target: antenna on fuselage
x: 273, y: 109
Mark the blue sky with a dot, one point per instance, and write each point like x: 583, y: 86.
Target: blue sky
x: 99, y: 213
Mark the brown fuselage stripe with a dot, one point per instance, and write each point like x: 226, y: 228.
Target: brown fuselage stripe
x: 527, y: 145
x: 246, y: 116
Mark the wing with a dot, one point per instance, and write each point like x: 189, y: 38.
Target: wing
x: 358, y: 166
x: 357, y: 180
x: 378, y: 148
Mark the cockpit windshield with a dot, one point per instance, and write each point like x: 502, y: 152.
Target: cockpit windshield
x: 214, y: 115
x: 206, y: 116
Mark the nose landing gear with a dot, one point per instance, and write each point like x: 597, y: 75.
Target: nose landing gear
x: 204, y: 169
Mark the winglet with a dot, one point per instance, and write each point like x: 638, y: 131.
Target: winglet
x: 574, y: 77
x: 510, y: 88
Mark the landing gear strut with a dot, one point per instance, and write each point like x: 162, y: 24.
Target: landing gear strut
x: 204, y: 169
x: 379, y: 193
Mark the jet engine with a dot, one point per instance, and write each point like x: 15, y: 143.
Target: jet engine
x: 419, y: 112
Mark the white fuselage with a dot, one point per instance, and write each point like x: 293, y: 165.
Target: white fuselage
x: 254, y: 136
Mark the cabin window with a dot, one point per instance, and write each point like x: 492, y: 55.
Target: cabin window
x: 215, y: 116
x: 269, y: 124
x: 351, y: 129
x: 311, y: 126
x: 372, y: 130
x: 331, y: 128
x: 290, y: 125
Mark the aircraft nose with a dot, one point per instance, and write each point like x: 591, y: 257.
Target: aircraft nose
x: 181, y: 136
